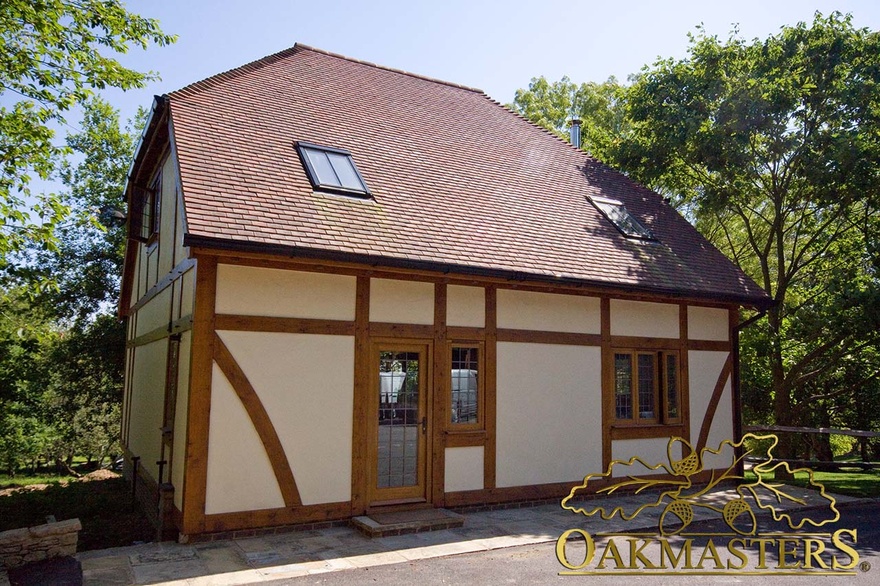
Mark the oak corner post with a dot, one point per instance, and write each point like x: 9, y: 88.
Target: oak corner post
x: 199, y: 406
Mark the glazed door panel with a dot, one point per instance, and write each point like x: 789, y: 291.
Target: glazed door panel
x: 400, y: 429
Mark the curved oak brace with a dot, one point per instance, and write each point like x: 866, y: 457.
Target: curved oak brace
x: 723, y: 376
x: 260, y: 420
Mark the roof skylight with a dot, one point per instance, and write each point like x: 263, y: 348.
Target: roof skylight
x: 618, y: 215
x: 331, y: 169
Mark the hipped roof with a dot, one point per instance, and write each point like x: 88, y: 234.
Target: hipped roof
x: 460, y: 183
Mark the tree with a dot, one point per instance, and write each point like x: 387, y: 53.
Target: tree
x: 53, y: 57
x: 62, y: 351
x: 25, y: 332
x: 86, y: 264
x: 597, y: 105
x: 774, y: 147
x: 84, y: 367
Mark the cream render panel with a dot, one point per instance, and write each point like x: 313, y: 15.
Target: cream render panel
x: 178, y: 461
x: 180, y: 251
x: 641, y: 318
x: 722, y: 429
x: 136, y: 278
x: 549, y: 413
x: 306, y: 384
x: 704, y: 368
x: 552, y: 312
x: 282, y: 293
x: 465, y: 306
x: 240, y: 476
x: 156, y: 313
x: 401, y: 302
x: 708, y: 323
x: 187, y: 288
x: 147, y: 403
x: 148, y: 268
x: 652, y: 451
x: 464, y: 469
x: 167, y: 219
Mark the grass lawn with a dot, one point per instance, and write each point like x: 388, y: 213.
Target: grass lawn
x: 102, y: 504
x: 29, y: 479
x: 856, y: 483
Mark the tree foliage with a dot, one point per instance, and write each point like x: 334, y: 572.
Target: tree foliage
x: 62, y: 352
x: 596, y: 105
x: 775, y: 145
x: 772, y: 147
x: 54, y: 54
x: 86, y: 264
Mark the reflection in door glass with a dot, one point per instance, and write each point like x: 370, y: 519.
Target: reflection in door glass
x: 399, y: 425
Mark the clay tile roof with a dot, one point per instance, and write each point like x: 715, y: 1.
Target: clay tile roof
x: 459, y: 182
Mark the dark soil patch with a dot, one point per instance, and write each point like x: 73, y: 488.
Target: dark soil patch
x: 101, y: 502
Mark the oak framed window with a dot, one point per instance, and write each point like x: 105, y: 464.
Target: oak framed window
x: 146, y: 207
x: 466, y: 388
x: 647, y: 387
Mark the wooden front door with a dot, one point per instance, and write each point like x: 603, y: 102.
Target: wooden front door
x: 399, y: 430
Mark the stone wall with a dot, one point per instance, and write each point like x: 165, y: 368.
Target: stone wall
x: 33, y: 544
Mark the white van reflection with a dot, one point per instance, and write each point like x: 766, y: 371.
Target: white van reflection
x: 464, y: 395
x: 397, y: 405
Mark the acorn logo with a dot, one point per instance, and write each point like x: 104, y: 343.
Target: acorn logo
x: 679, y: 496
x: 689, y: 480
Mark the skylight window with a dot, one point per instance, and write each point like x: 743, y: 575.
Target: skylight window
x: 331, y: 169
x: 618, y: 215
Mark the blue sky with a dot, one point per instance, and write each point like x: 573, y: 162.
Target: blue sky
x: 495, y: 46
x: 492, y: 45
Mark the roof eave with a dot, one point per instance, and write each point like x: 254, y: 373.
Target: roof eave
x: 221, y: 244
x: 154, y: 120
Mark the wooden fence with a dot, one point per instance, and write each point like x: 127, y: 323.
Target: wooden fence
x: 820, y: 430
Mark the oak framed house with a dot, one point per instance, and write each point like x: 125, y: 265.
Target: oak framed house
x: 350, y: 288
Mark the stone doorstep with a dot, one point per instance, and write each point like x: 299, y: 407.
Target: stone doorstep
x: 406, y: 522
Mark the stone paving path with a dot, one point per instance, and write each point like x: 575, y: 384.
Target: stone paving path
x: 260, y: 559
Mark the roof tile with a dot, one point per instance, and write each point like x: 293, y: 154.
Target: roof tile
x: 456, y: 179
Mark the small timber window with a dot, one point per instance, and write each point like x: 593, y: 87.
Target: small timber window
x: 331, y: 169
x: 618, y: 215
x: 464, y: 386
x: 145, y: 207
x: 646, y: 387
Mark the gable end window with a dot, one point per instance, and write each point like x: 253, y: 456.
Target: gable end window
x: 331, y: 169
x: 145, y: 204
x: 617, y: 214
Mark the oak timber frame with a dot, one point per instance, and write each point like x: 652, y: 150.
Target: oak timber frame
x: 206, y: 350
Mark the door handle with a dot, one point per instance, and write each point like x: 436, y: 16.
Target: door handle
x: 424, y: 424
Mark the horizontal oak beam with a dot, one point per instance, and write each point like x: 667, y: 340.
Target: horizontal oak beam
x: 286, y: 325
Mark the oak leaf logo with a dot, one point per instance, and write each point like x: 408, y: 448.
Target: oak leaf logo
x: 680, y: 497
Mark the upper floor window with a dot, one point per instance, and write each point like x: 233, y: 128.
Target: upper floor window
x: 618, y: 215
x: 146, y: 207
x: 331, y: 169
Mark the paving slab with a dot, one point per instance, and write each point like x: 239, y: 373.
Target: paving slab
x: 312, y: 552
x: 166, y: 571
x: 436, y: 551
x: 225, y: 579
x: 107, y: 577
